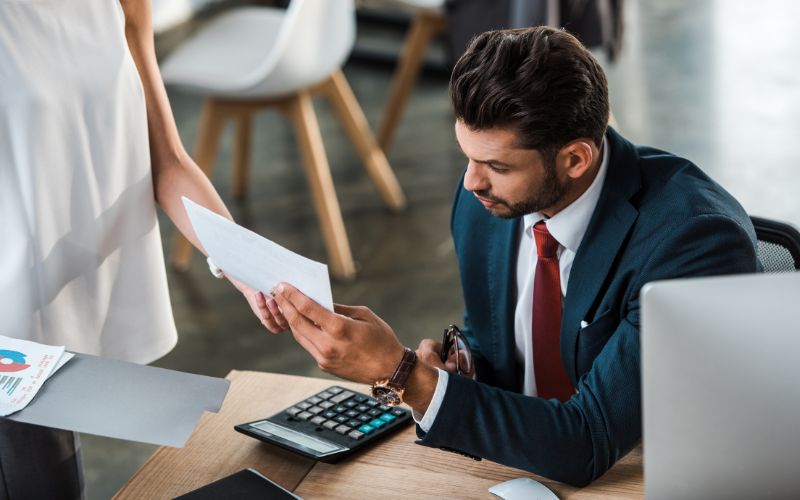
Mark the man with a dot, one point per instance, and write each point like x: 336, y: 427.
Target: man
x: 558, y: 225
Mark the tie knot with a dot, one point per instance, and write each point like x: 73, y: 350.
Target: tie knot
x: 546, y: 244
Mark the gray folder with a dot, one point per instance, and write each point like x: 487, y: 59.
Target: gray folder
x: 124, y: 400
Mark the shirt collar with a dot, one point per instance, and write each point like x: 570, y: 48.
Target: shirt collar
x: 569, y: 225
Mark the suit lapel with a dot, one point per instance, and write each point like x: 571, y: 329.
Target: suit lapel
x: 608, y: 228
x: 503, y: 245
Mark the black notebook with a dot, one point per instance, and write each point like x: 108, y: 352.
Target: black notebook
x: 246, y: 484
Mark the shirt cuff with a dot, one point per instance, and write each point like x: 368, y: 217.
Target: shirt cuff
x: 425, y: 422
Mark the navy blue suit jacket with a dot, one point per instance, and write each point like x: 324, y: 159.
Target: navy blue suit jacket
x: 658, y: 217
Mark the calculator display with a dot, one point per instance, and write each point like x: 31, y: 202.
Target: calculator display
x: 296, y: 437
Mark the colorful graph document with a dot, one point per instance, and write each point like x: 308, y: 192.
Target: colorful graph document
x: 24, y: 368
x: 256, y: 261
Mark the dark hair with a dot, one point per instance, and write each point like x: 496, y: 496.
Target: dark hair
x: 540, y: 82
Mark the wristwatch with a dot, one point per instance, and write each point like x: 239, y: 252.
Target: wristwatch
x: 390, y: 391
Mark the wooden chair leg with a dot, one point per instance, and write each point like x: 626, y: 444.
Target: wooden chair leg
x: 241, y: 155
x: 355, y: 123
x: 424, y: 27
x: 301, y: 112
x: 212, y: 121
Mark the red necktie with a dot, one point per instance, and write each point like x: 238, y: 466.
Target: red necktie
x: 551, y: 379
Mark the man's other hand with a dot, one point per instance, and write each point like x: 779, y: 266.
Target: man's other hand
x: 428, y: 352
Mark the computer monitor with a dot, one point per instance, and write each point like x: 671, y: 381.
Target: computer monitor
x: 721, y: 387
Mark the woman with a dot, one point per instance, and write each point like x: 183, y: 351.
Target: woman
x: 87, y: 144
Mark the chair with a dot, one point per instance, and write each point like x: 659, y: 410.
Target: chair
x: 427, y: 23
x: 255, y: 58
x: 778, y: 245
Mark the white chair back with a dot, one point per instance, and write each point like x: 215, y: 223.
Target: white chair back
x: 315, y: 38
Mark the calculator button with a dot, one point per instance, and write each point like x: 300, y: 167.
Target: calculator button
x: 366, y: 428
x: 361, y: 399
x: 314, y: 400
x: 343, y: 396
x: 325, y: 404
x: 293, y: 410
x: 304, y: 415
x: 335, y: 390
x: 352, y: 414
x: 317, y: 420
x: 343, y: 429
x: 331, y: 424
x: 341, y: 419
x: 356, y: 435
x: 315, y: 410
x: 384, y: 408
x: 324, y: 395
x: 303, y: 405
x: 330, y: 414
x: 372, y: 403
x: 375, y: 412
x: 351, y: 404
x: 388, y: 417
x: 398, y: 413
x: 364, y: 418
x: 378, y: 423
x: 354, y: 423
x: 362, y: 408
x: 340, y: 409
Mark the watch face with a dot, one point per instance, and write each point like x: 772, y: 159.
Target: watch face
x: 386, y: 396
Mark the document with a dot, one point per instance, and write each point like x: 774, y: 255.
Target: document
x: 24, y: 368
x: 255, y: 260
x: 124, y: 400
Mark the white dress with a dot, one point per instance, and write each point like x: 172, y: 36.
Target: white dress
x: 81, y: 262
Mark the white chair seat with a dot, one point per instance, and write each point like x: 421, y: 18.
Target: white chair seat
x: 264, y: 52
x: 423, y: 4
x: 229, y: 55
x: 254, y: 58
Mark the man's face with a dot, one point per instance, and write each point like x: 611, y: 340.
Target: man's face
x: 508, y: 181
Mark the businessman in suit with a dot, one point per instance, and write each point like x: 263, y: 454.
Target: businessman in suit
x: 557, y: 225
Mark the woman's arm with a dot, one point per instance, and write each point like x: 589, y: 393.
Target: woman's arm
x: 175, y: 174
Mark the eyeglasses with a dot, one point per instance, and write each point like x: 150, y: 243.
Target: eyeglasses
x: 454, y: 341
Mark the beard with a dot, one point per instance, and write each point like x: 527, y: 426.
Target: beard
x: 549, y: 192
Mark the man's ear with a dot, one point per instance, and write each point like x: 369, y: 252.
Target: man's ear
x: 576, y: 158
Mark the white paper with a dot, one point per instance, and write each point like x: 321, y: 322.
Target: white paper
x: 254, y: 260
x: 61, y: 362
x: 24, y: 368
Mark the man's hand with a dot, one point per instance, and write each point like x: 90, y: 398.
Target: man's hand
x: 265, y: 308
x: 351, y: 343
x: 428, y: 352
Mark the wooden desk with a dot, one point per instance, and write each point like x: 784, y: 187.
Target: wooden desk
x: 395, y: 468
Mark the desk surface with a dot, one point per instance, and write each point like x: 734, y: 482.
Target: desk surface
x: 408, y: 470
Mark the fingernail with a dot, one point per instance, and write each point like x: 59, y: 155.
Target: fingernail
x: 279, y: 288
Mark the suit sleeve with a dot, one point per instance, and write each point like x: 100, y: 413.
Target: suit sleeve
x: 579, y: 440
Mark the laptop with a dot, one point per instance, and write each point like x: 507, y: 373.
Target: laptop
x: 721, y: 387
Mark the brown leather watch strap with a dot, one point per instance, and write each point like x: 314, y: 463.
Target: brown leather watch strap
x: 400, y: 376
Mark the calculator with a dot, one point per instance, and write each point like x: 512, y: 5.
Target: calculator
x: 329, y: 425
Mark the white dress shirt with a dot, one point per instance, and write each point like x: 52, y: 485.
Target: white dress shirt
x: 568, y: 227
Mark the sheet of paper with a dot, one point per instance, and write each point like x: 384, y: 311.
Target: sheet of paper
x: 125, y: 401
x: 24, y: 368
x: 256, y: 261
x: 61, y: 362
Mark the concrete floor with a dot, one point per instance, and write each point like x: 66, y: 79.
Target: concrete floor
x: 714, y: 81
